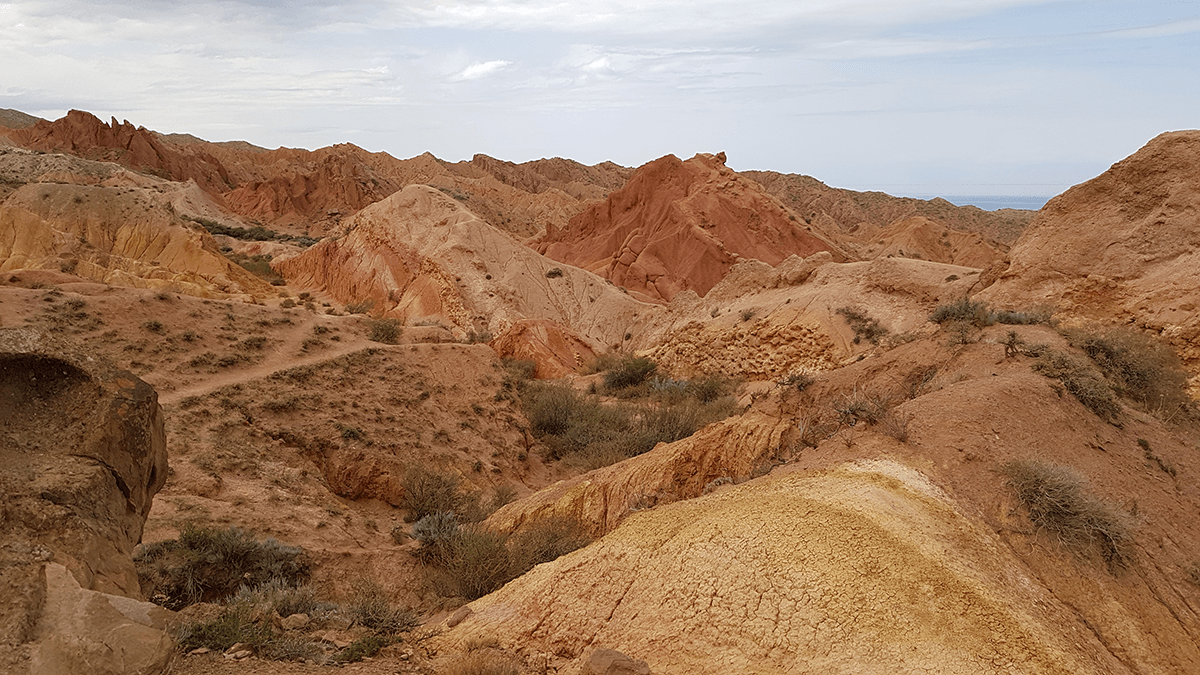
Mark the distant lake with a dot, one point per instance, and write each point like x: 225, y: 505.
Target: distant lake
x: 993, y: 202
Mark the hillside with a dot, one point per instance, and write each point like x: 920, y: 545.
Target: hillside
x: 510, y: 416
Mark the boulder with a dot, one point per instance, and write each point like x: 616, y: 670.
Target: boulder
x: 82, y: 453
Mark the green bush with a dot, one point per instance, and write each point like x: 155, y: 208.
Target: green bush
x: 1061, y: 505
x: 364, y: 647
x: 208, y: 565
x: 232, y: 626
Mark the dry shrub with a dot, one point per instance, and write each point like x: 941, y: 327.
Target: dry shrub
x: 1141, y: 369
x: 479, y: 562
x: 963, y: 310
x: 593, y: 434
x: 602, y: 362
x: 386, y: 331
x: 864, y: 327
x: 546, y: 540
x: 814, y: 425
x: 208, y: 565
x: 629, y: 372
x: 371, y: 606
x: 427, y: 492
x: 1060, y: 504
x: 476, y: 561
x: 1083, y: 382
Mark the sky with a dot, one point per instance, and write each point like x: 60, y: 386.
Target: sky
x: 910, y: 97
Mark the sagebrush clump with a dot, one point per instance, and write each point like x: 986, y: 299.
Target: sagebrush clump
x: 1143, y: 370
x: 209, y: 565
x: 1061, y: 505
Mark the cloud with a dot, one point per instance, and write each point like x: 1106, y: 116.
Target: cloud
x: 479, y: 70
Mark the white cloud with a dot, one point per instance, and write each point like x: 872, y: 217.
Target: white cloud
x: 478, y: 70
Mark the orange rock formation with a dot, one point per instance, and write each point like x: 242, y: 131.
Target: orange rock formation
x: 681, y: 225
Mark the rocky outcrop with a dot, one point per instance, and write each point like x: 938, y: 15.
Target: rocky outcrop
x: 420, y: 254
x: 601, y: 499
x: 310, y: 192
x: 557, y: 351
x: 83, y: 134
x: 123, y: 236
x: 680, y: 225
x: 1124, y: 246
x: 867, y: 567
x: 82, y: 453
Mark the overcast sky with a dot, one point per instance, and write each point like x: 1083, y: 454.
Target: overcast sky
x: 913, y: 97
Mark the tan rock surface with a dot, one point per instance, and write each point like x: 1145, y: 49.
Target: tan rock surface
x: 125, y: 236
x: 1124, y: 247
x: 925, y: 239
x: 84, y: 453
x: 764, y: 323
x: 83, y: 632
x: 865, y: 568
x: 680, y: 225
x: 602, y: 498
x: 557, y: 351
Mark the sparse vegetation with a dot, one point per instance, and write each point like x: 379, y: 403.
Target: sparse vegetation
x: 589, y: 432
x: 1082, y: 381
x: 427, y: 492
x: 207, y: 565
x: 253, y: 233
x: 1140, y: 369
x: 386, y: 331
x: 799, y: 381
x: 864, y: 326
x: 475, y: 561
x: 1061, y: 505
x: 370, y: 606
x: 963, y: 310
x: 979, y: 315
x: 628, y: 372
x: 481, y: 663
x: 259, y: 265
x: 361, y: 307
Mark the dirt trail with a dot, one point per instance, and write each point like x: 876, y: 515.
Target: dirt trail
x: 278, y: 359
